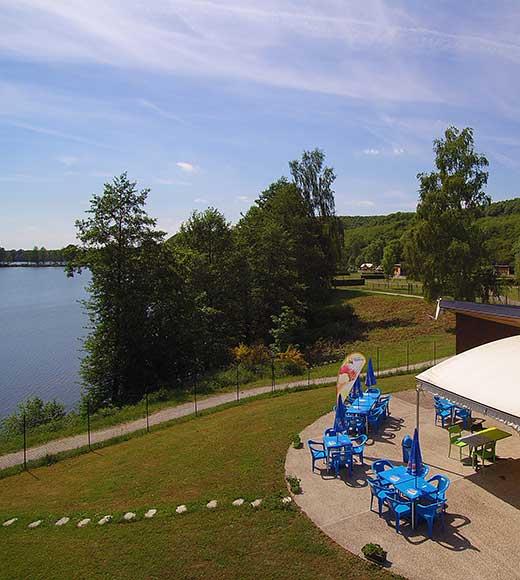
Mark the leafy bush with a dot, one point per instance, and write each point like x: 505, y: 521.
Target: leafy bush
x: 297, y: 442
x: 162, y: 394
x: 374, y: 552
x: 294, y: 484
x: 36, y: 413
x: 287, y: 326
x: 291, y: 361
x: 251, y: 357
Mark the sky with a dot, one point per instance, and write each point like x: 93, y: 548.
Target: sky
x: 206, y: 101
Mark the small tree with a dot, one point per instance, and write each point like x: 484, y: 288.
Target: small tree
x: 286, y: 327
x: 391, y: 256
x: 446, y: 248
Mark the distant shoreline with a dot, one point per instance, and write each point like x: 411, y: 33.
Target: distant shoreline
x: 53, y: 265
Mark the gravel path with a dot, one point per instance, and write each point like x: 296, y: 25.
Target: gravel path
x: 77, y: 441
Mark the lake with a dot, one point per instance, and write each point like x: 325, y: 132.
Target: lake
x: 41, y: 326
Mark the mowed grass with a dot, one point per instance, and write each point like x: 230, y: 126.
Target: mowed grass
x: 236, y: 452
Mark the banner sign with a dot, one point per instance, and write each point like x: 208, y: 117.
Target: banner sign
x: 349, y: 371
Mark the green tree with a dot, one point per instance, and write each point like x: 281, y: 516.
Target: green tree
x: 446, y: 248
x: 516, y: 250
x: 391, y: 256
x: 120, y: 247
x: 314, y: 181
x: 287, y: 326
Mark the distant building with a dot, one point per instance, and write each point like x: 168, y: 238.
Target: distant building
x: 397, y: 271
x: 478, y: 324
x: 366, y: 267
x: 503, y: 269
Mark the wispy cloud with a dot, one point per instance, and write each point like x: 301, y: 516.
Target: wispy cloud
x: 156, y: 109
x: 243, y: 198
x: 371, y: 151
x: 200, y: 200
x: 67, y: 160
x: 185, y: 166
x: 164, y: 181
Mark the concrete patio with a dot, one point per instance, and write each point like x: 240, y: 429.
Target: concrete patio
x: 482, y: 520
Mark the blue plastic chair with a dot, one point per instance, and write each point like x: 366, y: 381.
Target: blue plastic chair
x: 430, y: 513
x: 374, y: 391
x: 355, y: 424
x: 442, y: 484
x: 424, y: 471
x: 375, y: 418
x: 442, y: 413
x: 386, y: 404
x: 400, y: 509
x: 341, y: 457
x: 359, y: 446
x: 465, y: 416
x: 379, y: 466
x: 317, y: 450
x: 380, y: 492
x: 331, y: 432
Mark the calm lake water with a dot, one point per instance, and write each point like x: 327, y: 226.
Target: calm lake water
x: 41, y: 324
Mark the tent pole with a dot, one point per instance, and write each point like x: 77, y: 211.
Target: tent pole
x: 418, y: 392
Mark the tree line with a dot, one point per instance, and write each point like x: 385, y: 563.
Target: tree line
x: 38, y: 256
x: 165, y: 311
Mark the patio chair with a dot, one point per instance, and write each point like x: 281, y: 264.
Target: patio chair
x: 341, y: 457
x: 355, y: 424
x: 380, y: 492
x: 317, y: 450
x: 380, y: 465
x: 488, y: 451
x: 400, y: 509
x: 375, y: 419
x: 424, y: 471
x: 430, y: 513
x: 331, y: 432
x: 359, y: 446
x: 442, y: 483
x: 442, y: 412
x: 465, y: 416
x: 386, y: 401
x: 454, y: 433
x: 373, y: 391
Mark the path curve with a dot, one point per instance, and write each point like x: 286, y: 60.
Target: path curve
x: 81, y: 440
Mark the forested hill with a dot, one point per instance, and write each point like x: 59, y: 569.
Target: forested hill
x: 367, y: 236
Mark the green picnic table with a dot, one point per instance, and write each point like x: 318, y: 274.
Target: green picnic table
x: 481, y: 439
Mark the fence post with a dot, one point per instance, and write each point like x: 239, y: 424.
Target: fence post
x: 24, y: 442
x: 147, y: 414
x: 238, y: 385
x: 377, y: 364
x: 407, y: 357
x: 88, y: 425
x: 273, y: 384
x: 195, y: 395
x: 434, y: 352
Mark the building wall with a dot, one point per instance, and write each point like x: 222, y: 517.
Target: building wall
x: 472, y: 332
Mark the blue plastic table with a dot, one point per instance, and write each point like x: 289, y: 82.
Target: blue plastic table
x: 395, y: 475
x: 362, y: 406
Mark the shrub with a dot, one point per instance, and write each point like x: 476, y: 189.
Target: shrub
x: 251, y: 357
x: 162, y: 394
x: 294, y: 484
x: 292, y: 361
x: 36, y: 413
x: 297, y: 442
x: 374, y: 552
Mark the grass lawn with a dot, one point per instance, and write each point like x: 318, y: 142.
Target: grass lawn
x: 398, y: 328
x: 236, y: 452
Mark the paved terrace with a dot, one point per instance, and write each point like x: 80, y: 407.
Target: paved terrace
x: 481, y: 539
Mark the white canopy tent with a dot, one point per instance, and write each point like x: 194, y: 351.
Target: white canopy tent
x: 485, y: 379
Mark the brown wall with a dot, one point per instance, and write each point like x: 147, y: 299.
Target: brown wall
x: 472, y: 332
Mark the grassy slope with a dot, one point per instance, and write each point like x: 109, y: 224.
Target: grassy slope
x: 386, y: 322
x: 238, y: 452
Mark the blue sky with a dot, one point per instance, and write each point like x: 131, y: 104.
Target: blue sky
x: 205, y: 102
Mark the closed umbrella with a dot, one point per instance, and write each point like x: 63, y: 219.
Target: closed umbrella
x: 370, y: 379
x: 415, y: 463
x: 357, y: 389
x: 339, y: 419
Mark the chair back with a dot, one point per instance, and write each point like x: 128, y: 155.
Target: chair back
x: 454, y: 432
x: 381, y: 465
x: 330, y: 432
x: 393, y: 502
x: 316, y: 447
x: 359, y: 441
x: 442, y: 484
x: 376, y: 487
x: 374, y: 391
x: 341, y: 454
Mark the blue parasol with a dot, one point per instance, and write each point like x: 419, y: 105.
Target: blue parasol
x: 370, y: 379
x: 415, y: 463
x: 339, y: 419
